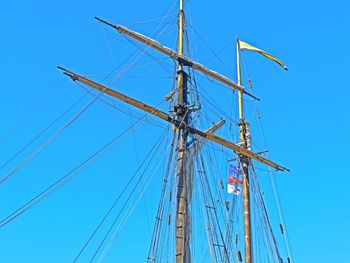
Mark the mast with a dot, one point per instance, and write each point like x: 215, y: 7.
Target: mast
x: 182, y: 210
x: 243, y: 129
x: 183, y: 129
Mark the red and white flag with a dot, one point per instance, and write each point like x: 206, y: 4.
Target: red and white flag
x: 234, y: 180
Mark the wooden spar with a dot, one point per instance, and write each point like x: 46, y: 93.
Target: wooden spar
x: 164, y: 116
x: 177, y: 56
x: 245, y: 165
x: 214, y: 127
x: 182, y: 221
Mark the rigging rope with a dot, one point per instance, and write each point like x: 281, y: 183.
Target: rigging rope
x: 160, y: 212
x: 124, y: 206
x: 52, y: 188
x: 46, y: 143
x: 274, y: 190
x: 42, y: 132
x: 113, y: 205
x: 29, y: 117
x: 143, y: 50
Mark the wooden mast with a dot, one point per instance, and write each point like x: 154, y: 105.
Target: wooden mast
x: 181, y: 122
x: 245, y: 166
x: 182, y: 211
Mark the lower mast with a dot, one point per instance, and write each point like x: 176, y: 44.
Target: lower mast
x: 182, y: 210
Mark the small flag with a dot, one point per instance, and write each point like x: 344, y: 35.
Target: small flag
x: 234, y: 170
x: 231, y: 169
x: 231, y: 189
x: 244, y: 45
x: 234, y: 180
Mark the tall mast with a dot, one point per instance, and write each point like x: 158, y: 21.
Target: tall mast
x: 181, y: 122
x: 182, y: 211
x: 243, y: 129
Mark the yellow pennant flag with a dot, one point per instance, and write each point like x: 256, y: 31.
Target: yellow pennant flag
x: 244, y: 45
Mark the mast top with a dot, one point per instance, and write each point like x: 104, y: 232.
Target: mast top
x: 181, y: 5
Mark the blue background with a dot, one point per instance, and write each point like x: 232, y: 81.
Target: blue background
x: 305, y: 113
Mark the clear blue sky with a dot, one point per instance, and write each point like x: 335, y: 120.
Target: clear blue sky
x: 305, y: 112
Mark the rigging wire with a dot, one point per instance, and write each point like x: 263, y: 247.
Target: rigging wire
x: 114, y: 204
x: 215, y: 55
x: 76, y: 171
x: 124, y: 109
x: 152, y: 254
x: 143, y: 198
x: 42, y: 132
x: 105, y: 251
x: 210, y: 194
x: 127, y: 216
x: 46, y: 143
x: 259, y: 202
x: 270, y: 172
x: 275, y: 191
x: 29, y: 117
x: 143, y: 50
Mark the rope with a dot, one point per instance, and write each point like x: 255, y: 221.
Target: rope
x: 113, y: 205
x: 123, y: 207
x: 30, y: 116
x: 275, y: 193
x: 46, y: 143
x: 160, y: 212
x: 52, y: 188
x: 42, y: 132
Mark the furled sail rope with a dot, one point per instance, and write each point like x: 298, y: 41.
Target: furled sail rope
x: 73, y: 173
x: 144, y: 185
